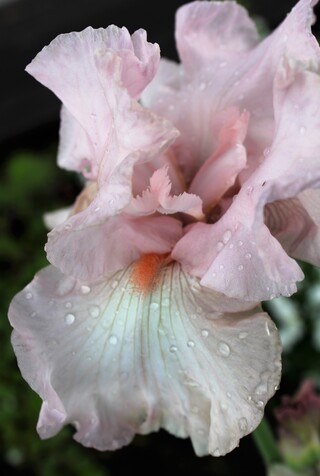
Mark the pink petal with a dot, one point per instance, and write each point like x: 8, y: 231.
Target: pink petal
x: 114, y: 362
x: 106, y: 246
x: 157, y: 198
x: 219, y: 172
x: 296, y: 224
x: 90, y: 71
x: 207, y: 32
x: 291, y: 166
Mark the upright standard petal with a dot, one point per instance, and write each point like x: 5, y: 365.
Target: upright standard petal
x: 114, y: 360
x: 207, y: 32
x: 95, y: 73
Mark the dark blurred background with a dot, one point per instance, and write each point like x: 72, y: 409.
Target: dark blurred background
x: 31, y: 183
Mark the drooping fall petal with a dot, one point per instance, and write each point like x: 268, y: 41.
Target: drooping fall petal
x: 178, y: 357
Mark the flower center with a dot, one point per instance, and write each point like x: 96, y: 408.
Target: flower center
x: 146, y: 271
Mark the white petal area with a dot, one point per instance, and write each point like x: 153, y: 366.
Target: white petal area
x: 56, y: 218
x: 158, y: 198
x: 114, y: 362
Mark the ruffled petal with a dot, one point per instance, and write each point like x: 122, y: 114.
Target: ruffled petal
x: 93, y: 73
x: 109, y: 245
x: 113, y: 361
x: 295, y: 223
x: 208, y: 32
x: 157, y: 198
x: 291, y: 166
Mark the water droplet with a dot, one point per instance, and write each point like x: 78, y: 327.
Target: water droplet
x: 29, y: 296
x: 68, y: 304
x: 173, y: 348
x: 272, y: 296
x: 262, y: 388
x: 114, y: 284
x: 249, y: 190
x: 154, y: 306
x: 226, y: 236
x: 69, y: 319
x: 302, y: 130
x: 243, y: 335
x: 67, y: 226
x: 243, y: 424
x: 223, y: 406
x: 248, y: 255
x: 216, y: 452
x: 228, y: 394
x: 204, y: 332
x: 267, y: 329
x: 266, y: 151
x: 85, y: 289
x: 240, y: 243
x: 240, y: 267
x: 166, y: 302
x: 190, y: 343
x: 94, y: 311
x: 214, y: 274
x: 231, y: 246
x: 224, y: 349
x: 259, y: 404
x: 221, y: 266
x: 220, y: 245
x: 97, y: 209
x: 113, y: 340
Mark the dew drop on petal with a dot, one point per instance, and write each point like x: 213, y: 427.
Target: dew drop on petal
x: 221, y: 266
x: 240, y: 243
x: 243, y: 424
x: 248, y: 255
x: 69, y: 319
x: 113, y: 340
x: 226, y: 236
x: 204, y: 332
x: 243, y: 335
x: 220, y: 245
x: 190, y: 343
x: 114, y: 284
x: 154, y: 306
x: 224, y: 349
x: 228, y: 394
x: 29, y: 296
x: 240, y: 267
x: 85, y: 289
x: 68, y: 304
x: 94, y: 311
x: 173, y: 348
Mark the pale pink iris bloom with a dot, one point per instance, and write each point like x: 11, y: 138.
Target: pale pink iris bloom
x: 196, y: 195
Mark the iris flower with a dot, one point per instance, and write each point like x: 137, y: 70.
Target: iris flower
x: 201, y: 180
